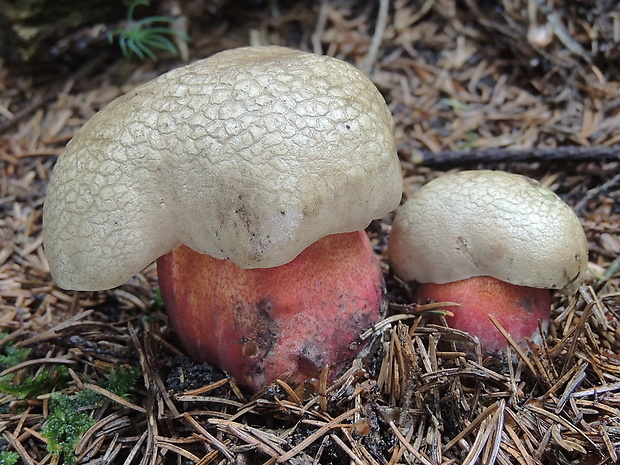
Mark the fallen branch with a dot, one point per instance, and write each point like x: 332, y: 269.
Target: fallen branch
x: 503, y: 155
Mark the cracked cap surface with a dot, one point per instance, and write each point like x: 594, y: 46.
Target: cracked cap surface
x: 252, y: 155
x: 488, y: 223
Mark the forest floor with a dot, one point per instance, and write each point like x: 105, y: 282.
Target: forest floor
x: 529, y: 87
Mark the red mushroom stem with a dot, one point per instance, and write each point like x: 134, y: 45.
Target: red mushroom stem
x: 517, y: 308
x: 290, y: 320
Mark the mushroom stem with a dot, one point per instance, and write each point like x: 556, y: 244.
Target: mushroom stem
x: 517, y: 308
x: 290, y: 320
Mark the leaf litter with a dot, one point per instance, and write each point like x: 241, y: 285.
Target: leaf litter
x: 525, y: 86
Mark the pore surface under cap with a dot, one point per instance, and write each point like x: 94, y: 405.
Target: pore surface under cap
x: 488, y: 223
x: 252, y: 154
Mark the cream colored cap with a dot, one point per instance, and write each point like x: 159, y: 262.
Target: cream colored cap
x: 488, y: 223
x: 251, y: 155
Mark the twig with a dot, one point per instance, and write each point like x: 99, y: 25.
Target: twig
x: 377, y: 37
x: 490, y: 410
x: 262, y: 440
x: 497, y: 428
x: 594, y: 192
x: 316, y: 435
x: 560, y: 421
x: 12, y: 440
x: 573, y: 384
x: 150, y: 454
x: 346, y: 449
x: 611, y: 450
x: 489, y: 426
x: 502, y: 155
x: 162, y: 444
x: 135, y: 450
x: 568, y: 361
x: 320, y: 28
x: 209, y: 437
x: 595, y: 391
x: 38, y: 361
x: 55, y: 332
x: 96, y: 429
x: 209, y: 387
x: 408, y: 312
x: 408, y: 446
x: 514, y: 345
x: 116, y: 398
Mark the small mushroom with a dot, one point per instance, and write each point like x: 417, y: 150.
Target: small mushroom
x: 495, y: 242
x: 252, y: 174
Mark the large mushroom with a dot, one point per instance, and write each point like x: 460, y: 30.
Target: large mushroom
x: 495, y: 242
x: 250, y: 175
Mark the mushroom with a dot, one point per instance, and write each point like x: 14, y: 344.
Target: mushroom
x: 249, y: 176
x: 495, y: 242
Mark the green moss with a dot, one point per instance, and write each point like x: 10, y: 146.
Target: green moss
x: 69, y: 419
x: 121, y: 381
x: 69, y: 415
x: 11, y: 355
x: 67, y: 423
x: 8, y: 458
x: 30, y: 386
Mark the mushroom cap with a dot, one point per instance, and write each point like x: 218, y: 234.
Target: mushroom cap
x: 488, y: 223
x: 250, y: 155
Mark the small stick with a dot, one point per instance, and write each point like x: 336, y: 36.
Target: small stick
x: 377, y: 37
x: 12, y: 440
x: 503, y: 154
x: 320, y: 28
x: 209, y: 437
x: 316, y: 435
x: 408, y: 446
x: 514, y: 345
x: 116, y: 398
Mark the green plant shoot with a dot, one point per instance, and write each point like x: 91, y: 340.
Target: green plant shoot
x: 141, y: 37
